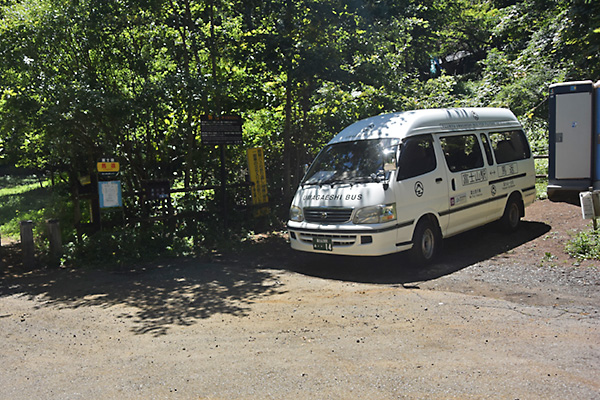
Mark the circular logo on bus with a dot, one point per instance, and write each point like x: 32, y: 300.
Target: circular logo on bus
x: 419, y: 189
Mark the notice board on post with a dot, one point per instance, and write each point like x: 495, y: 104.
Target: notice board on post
x: 590, y: 204
x: 226, y: 129
x: 109, y: 194
x: 258, y: 176
x: 156, y: 190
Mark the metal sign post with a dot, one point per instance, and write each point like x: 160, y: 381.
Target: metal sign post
x: 221, y: 131
x: 109, y: 189
x: 110, y: 194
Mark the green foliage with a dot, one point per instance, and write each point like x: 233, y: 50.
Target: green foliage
x: 124, y: 246
x: 584, y: 245
x: 437, y: 92
x: 549, y: 260
x: 579, y: 44
x: 541, y: 188
x: 120, y: 247
x: 197, y: 232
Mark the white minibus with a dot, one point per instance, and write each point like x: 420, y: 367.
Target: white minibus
x: 406, y: 180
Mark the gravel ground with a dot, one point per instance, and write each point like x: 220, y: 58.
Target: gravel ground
x: 500, y: 317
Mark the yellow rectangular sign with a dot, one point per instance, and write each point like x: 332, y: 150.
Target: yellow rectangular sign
x: 256, y: 167
x: 108, y: 166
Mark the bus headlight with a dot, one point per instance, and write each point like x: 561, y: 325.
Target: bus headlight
x: 375, y: 214
x: 296, y: 214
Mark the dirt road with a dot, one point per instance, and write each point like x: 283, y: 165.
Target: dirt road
x: 498, y: 318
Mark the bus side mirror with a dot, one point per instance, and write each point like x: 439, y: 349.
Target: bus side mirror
x: 389, y: 159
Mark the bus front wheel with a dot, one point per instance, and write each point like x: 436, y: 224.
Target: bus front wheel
x: 427, y: 242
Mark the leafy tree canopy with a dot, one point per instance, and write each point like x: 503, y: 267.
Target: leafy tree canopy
x: 130, y: 78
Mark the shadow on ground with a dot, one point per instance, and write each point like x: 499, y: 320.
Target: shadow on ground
x: 459, y: 252
x: 178, y: 293
x: 182, y: 292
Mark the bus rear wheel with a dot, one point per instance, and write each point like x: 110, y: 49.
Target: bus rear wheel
x: 511, y: 219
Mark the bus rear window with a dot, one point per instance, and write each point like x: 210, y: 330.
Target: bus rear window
x: 509, y: 146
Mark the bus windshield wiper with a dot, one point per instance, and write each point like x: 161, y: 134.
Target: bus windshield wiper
x: 321, y: 182
x: 362, y: 179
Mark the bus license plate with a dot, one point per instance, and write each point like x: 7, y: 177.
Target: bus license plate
x: 322, y: 244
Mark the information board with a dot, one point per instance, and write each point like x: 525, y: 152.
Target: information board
x: 221, y: 130
x: 156, y: 190
x: 109, y: 193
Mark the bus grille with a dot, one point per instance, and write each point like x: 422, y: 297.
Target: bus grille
x: 324, y: 215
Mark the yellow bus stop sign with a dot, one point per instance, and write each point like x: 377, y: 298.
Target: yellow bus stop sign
x: 107, y: 166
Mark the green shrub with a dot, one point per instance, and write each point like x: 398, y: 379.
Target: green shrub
x: 584, y: 246
x: 118, y: 247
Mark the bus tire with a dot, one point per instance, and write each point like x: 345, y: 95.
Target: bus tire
x: 511, y: 219
x: 427, y: 242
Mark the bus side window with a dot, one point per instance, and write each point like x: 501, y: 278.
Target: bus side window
x: 488, y: 150
x: 462, y: 152
x: 416, y: 157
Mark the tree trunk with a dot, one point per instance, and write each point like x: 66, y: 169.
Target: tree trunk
x: 287, y: 142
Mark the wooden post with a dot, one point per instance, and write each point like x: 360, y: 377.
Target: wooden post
x: 595, y: 207
x: 223, y: 186
x: 55, y: 239
x: 27, y: 244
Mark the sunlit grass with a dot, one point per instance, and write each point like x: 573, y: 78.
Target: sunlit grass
x: 11, y: 185
x: 584, y: 245
x: 22, y: 199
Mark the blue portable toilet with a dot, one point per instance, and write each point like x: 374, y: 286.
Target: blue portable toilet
x: 573, y: 162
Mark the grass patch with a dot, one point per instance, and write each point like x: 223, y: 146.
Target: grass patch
x: 12, y: 186
x: 584, y: 246
x: 23, y: 199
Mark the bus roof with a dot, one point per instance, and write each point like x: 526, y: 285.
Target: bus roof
x: 409, y: 123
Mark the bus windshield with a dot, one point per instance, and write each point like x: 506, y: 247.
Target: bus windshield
x: 352, y: 162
